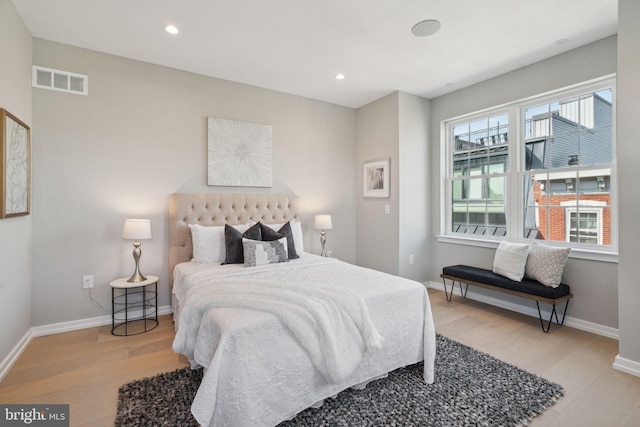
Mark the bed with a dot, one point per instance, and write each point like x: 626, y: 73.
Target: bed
x: 241, y: 324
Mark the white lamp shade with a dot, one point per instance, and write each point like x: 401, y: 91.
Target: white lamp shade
x: 323, y: 222
x: 137, y: 229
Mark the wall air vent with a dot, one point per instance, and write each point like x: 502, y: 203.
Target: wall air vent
x: 62, y: 81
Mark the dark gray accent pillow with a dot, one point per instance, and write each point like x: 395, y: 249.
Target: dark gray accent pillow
x: 233, y: 242
x: 269, y: 234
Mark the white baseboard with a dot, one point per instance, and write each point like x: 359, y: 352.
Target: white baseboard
x: 57, y: 328
x: 15, y: 353
x: 628, y: 366
x: 583, y: 325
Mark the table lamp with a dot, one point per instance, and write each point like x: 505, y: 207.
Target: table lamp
x: 323, y: 222
x: 137, y: 229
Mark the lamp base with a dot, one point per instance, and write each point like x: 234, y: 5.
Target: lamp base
x: 323, y: 241
x: 136, y: 278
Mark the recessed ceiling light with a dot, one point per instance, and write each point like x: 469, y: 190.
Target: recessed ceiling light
x: 340, y: 76
x: 171, y: 29
x: 426, y: 28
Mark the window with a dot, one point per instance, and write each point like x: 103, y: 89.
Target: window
x: 540, y: 169
x: 584, y: 226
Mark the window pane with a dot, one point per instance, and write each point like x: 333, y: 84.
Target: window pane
x: 475, y: 188
x: 498, y: 161
x: 476, y: 166
x: 460, y: 215
x: 458, y: 190
x: 570, y: 132
x: 496, y: 214
x: 535, y: 188
x: 460, y: 166
x: 480, y: 150
x: 535, y: 151
x: 595, y: 185
x: 461, y: 137
x: 605, y: 227
x: 495, y: 187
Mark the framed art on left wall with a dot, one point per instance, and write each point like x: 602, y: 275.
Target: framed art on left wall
x: 15, y: 165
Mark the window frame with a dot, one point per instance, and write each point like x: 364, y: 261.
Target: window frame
x: 583, y: 210
x: 516, y: 171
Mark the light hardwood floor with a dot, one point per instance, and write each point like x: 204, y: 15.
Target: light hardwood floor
x: 85, y: 368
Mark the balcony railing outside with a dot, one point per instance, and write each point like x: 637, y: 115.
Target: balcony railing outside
x: 483, y: 138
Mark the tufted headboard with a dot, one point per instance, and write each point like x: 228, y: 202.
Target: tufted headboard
x: 220, y: 209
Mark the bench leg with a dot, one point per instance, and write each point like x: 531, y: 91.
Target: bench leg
x: 446, y: 293
x: 553, y: 313
x: 453, y: 285
x: 466, y: 288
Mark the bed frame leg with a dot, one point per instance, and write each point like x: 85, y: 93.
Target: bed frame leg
x: 554, y: 313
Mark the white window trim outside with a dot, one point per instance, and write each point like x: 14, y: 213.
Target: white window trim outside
x: 585, y: 206
x: 513, y: 215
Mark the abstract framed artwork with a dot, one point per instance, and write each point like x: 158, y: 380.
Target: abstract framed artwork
x: 15, y: 165
x: 376, y: 178
x: 239, y: 154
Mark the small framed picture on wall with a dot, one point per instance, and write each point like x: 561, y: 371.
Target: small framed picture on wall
x: 15, y: 165
x: 376, y: 178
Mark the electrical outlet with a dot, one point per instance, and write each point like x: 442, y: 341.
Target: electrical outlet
x: 329, y: 253
x: 87, y: 282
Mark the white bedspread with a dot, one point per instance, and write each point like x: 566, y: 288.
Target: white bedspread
x: 259, y: 372
x: 332, y: 324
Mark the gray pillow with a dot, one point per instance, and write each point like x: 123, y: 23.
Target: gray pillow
x: 233, y: 242
x: 546, y: 264
x: 269, y: 233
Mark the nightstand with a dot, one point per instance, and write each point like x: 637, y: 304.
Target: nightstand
x: 134, y: 306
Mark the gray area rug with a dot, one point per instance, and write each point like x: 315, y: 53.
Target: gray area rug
x: 470, y: 388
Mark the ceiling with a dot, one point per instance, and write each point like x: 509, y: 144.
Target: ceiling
x: 299, y: 46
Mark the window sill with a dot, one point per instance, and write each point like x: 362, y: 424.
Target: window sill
x: 577, y: 253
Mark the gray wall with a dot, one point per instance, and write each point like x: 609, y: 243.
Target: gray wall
x: 594, y: 284
x: 15, y: 233
x: 414, y: 203
x: 377, y: 236
x: 628, y: 160
x: 139, y: 136
x: 395, y: 127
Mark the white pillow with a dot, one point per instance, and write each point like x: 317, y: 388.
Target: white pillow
x: 510, y: 260
x: 546, y: 264
x: 208, y: 242
x: 259, y: 252
x: 296, y: 230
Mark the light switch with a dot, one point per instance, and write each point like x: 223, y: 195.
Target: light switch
x: 387, y: 209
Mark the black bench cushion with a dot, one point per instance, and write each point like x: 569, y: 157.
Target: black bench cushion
x: 488, y: 277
